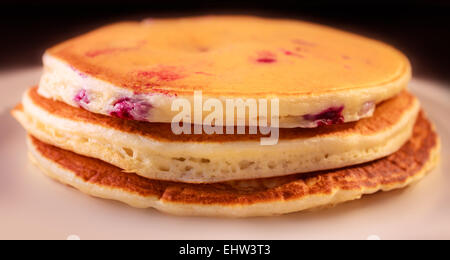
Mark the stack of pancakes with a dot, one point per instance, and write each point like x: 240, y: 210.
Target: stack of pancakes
x: 100, y: 119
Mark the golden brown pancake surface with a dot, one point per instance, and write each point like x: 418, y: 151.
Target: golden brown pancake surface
x: 231, y: 55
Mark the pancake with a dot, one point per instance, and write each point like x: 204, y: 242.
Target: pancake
x: 259, y: 197
x: 136, y: 69
x: 153, y: 151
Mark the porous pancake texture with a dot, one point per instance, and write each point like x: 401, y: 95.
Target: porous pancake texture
x: 152, y: 150
x: 135, y: 70
x: 258, y: 197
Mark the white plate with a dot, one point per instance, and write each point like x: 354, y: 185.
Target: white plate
x: 33, y: 206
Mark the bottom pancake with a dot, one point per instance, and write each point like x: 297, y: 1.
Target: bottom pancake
x: 258, y: 197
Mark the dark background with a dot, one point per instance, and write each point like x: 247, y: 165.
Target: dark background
x: 418, y: 28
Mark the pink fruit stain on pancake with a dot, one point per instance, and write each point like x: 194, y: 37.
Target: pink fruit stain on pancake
x: 291, y: 53
x: 81, y: 98
x: 162, y: 73
x: 266, y: 57
x: 128, y: 108
x: 329, y: 116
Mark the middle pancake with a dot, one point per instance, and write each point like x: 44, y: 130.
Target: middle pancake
x: 153, y: 151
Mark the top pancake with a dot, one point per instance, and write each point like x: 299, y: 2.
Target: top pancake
x: 308, y: 67
x: 238, y: 56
